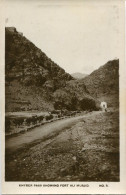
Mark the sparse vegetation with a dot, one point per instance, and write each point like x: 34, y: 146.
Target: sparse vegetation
x: 83, y: 151
x: 34, y: 77
x: 104, y: 81
x: 40, y: 118
x: 49, y: 117
x: 55, y: 111
x: 87, y: 104
x: 18, y: 121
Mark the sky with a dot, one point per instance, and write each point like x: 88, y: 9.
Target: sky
x: 78, y: 35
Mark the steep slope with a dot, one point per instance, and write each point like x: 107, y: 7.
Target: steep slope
x: 31, y: 77
x: 78, y: 75
x: 104, y: 82
x: 29, y: 64
x: 34, y: 81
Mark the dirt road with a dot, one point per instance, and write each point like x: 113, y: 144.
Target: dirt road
x: 84, y: 148
x: 44, y: 132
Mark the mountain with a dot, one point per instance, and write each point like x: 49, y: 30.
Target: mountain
x: 105, y: 80
x: 34, y: 82
x: 78, y: 75
x: 103, y: 83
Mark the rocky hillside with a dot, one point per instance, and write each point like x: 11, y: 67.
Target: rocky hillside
x: 104, y: 82
x: 34, y: 81
x: 27, y: 63
x: 78, y: 75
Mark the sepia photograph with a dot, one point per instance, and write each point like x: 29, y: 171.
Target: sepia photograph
x: 61, y: 91
x: 63, y: 83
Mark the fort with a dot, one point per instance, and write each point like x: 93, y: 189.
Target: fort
x: 14, y: 30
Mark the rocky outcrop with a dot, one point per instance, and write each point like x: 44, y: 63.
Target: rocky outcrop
x: 29, y: 65
x: 104, y: 81
x: 34, y: 81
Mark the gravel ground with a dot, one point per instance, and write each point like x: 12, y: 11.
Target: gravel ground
x: 87, y: 150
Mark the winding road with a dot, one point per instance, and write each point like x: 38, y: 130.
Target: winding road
x: 42, y: 133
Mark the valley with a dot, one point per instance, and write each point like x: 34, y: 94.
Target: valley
x: 55, y: 129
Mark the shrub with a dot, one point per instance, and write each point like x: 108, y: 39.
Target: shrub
x: 55, y: 112
x: 40, y: 118
x: 59, y: 105
x: 18, y: 121
x: 29, y: 120
x: 73, y: 104
x: 49, y: 117
x: 59, y: 115
x: 87, y: 104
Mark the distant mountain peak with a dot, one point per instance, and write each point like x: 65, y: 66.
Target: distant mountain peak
x: 78, y: 75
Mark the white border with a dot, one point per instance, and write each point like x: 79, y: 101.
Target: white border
x: 113, y: 187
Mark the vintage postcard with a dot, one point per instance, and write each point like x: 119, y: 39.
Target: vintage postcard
x: 63, y: 90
